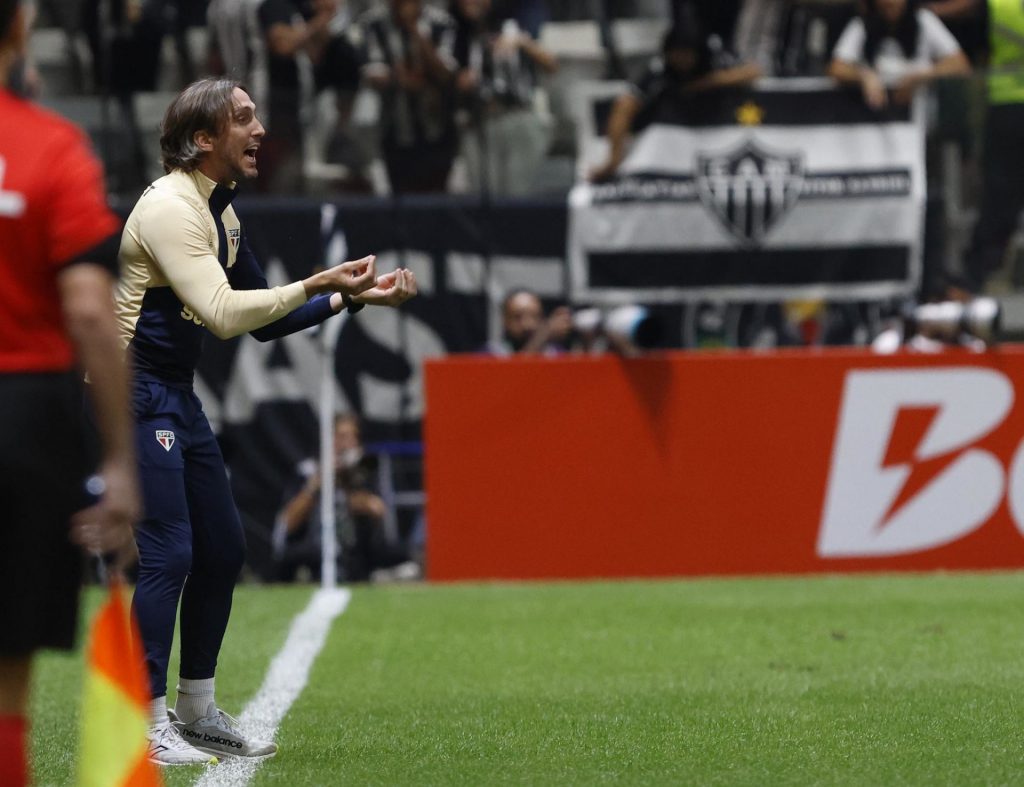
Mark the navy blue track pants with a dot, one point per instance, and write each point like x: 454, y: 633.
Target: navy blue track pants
x: 191, y: 543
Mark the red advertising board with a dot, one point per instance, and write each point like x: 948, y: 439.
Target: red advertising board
x: 704, y: 464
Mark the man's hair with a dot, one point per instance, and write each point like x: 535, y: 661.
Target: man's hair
x: 7, y: 9
x: 906, y: 32
x: 511, y: 295
x: 202, y: 106
x: 348, y: 418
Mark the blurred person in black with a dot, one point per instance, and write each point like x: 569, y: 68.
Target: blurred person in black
x: 967, y: 20
x: 58, y: 265
x: 1002, y: 182
x: 687, y: 66
x: 529, y: 14
x: 716, y: 17
x: 125, y: 38
x: 497, y: 83
x: 296, y: 35
x: 407, y: 50
x: 367, y: 551
x: 895, y: 46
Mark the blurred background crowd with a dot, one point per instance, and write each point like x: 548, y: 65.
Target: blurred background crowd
x: 383, y: 97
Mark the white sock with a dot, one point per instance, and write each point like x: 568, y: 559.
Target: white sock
x: 158, y: 711
x: 194, y: 698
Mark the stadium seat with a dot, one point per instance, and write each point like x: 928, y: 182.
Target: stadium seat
x: 148, y: 110
x: 61, y: 62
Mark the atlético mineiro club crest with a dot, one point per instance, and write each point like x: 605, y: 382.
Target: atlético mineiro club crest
x: 233, y: 237
x: 749, y: 189
x: 166, y: 438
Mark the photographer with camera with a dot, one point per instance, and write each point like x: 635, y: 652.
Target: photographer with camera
x: 952, y: 317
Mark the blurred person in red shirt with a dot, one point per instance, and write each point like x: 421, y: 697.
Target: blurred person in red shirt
x: 58, y: 263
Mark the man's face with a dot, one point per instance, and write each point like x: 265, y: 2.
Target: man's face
x: 406, y: 12
x: 233, y: 156
x: 523, y: 315
x: 891, y: 10
x: 681, y: 60
x: 474, y: 10
x: 346, y: 438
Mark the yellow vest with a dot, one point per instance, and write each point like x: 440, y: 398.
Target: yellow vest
x: 1006, y: 41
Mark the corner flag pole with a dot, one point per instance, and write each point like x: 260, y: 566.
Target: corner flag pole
x: 334, y: 254
x: 329, y: 535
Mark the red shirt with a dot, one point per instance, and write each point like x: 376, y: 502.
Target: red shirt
x: 53, y: 208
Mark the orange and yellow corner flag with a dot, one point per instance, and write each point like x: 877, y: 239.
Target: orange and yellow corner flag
x: 115, y: 703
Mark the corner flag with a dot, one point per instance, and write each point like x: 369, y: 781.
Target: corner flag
x: 115, y: 703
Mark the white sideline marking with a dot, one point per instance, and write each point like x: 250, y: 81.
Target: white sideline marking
x: 285, y: 680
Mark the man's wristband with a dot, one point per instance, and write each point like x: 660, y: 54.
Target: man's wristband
x: 350, y: 304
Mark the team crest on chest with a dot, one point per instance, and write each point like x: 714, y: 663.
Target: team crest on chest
x: 166, y: 438
x: 234, y: 234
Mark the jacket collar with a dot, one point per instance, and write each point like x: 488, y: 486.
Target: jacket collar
x: 217, y: 195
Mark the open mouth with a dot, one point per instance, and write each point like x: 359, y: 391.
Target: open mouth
x: 250, y: 153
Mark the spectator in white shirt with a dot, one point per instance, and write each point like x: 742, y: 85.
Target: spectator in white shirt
x: 893, y: 48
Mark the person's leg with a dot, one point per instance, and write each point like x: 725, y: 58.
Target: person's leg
x: 526, y: 140
x: 1002, y: 191
x: 470, y: 145
x: 218, y: 545
x: 218, y: 551
x: 41, y: 470
x: 164, y: 536
x: 14, y: 684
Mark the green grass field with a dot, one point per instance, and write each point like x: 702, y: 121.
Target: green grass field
x: 867, y: 681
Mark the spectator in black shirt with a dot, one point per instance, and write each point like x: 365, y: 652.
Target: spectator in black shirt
x: 497, y: 83
x: 687, y: 66
x: 297, y: 34
x: 408, y: 53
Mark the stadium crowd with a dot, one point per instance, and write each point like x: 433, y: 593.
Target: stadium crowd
x: 433, y: 96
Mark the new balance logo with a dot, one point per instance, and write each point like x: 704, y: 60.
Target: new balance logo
x: 165, y: 437
x: 207, y: 738
x: 907, y: 473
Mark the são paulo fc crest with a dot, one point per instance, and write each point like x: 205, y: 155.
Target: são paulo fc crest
x: 749, y: 189
x: 166, y: 438
x: 234, y: 234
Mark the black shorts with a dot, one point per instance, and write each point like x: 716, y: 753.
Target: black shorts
x: 43, y: 462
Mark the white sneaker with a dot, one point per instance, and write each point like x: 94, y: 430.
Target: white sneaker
x: 217, y: 733
x: 408, y: 571
x: 167, y: 747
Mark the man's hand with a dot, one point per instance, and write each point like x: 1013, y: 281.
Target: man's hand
x: 366, y: 504
x: 408, y: 78
x: 349, y: 278
x: 107, y: 526
x: 903, y: 93
x: 604, y: 172
x: 873, y: 90
x: 391, y: 289
x: 467, y: 80
x: 559, y: 324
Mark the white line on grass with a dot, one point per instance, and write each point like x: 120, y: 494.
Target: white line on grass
x: 285, y: 680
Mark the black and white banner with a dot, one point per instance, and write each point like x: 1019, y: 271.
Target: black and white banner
x: 793, y: 189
